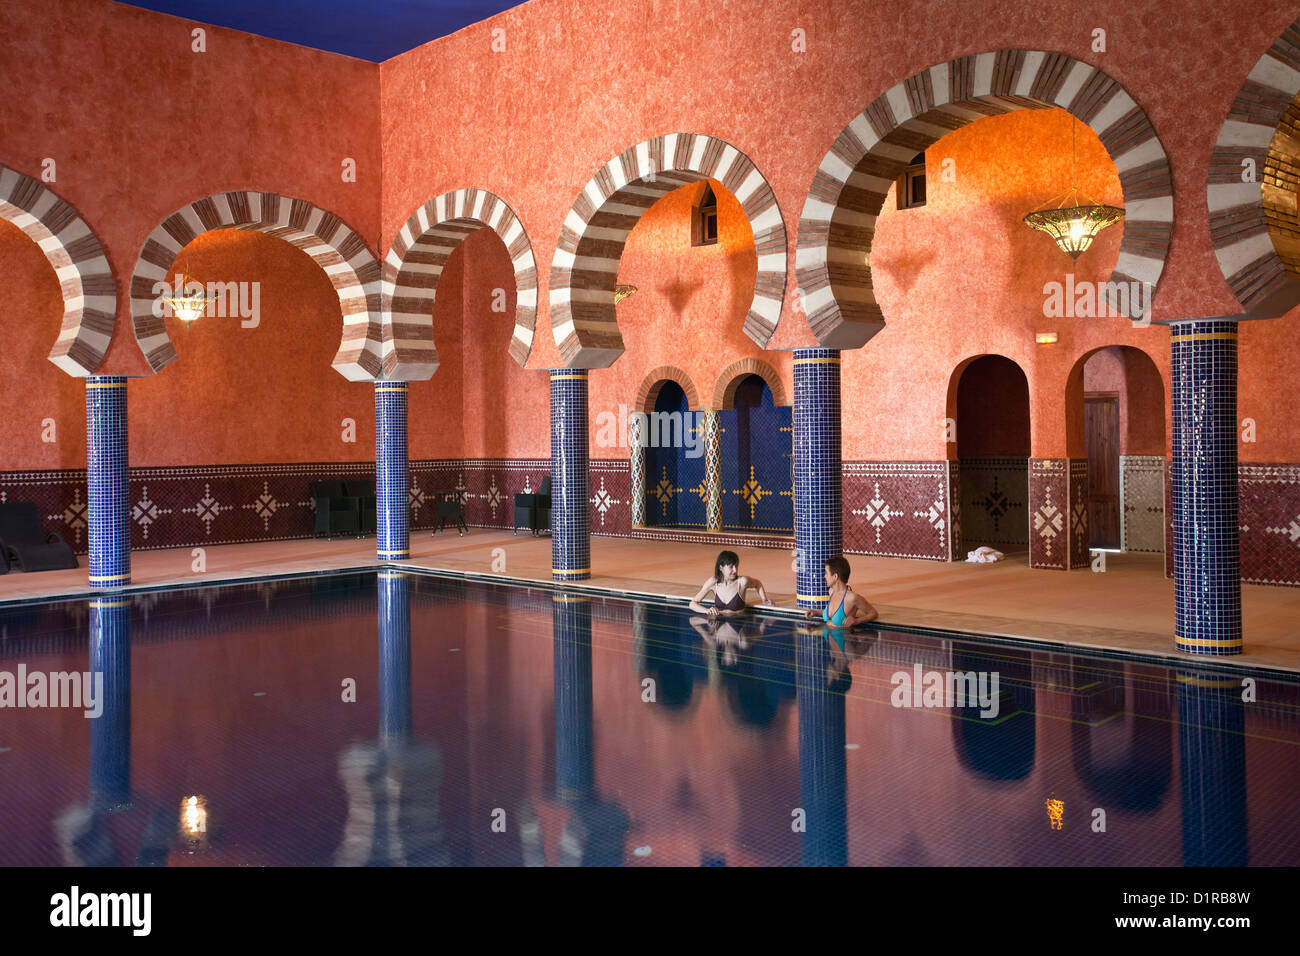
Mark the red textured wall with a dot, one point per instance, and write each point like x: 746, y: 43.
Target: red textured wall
x: 31, y: 305
x: 139, y: 125
x: 958, y: 278
x: 1134, y: 378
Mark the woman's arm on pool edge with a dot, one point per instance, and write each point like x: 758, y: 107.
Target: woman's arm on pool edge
x: 861, y: 611
x: 757, y: 585
x: 695, y: 602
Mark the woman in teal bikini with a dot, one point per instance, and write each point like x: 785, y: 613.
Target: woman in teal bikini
x: 844, y: 608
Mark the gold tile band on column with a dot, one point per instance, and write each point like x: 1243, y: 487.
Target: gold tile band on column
x: 570, y: 599
x: 1207, y: 642
x: 390, y: 386
x: 106, y: 385
x: 816, y: 361
x: 570, y: 570
x: 110, y: 578
x: 389, y: 555
x: 101, y: 604
x: 1201, y: 336
x: 811, y: 597
x: 1196, y: 680
x: 561, y: 378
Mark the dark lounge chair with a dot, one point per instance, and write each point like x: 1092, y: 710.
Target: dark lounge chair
x: 25, y: 542
x: 533, y: 511
x: 337, y: 512
x: 363, y: 490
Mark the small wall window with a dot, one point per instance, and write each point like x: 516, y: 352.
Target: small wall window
x: 911, y: 185
x: 704, y: 225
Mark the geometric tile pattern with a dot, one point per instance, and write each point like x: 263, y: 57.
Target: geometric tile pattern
x: 849, y: 188
x: 570, y: 505
x: 392, y: 499
x: 636, y: 466
x: 89, y: 296
x: 1058, y: 521
x: 898, y: 509
x: 1207, y: 530
x: 415, y: 262
x: 1142, y: 503
x: 351, y: 267
x: 1240, y: 227
x: 1270, y: 521
x: 106, y: 482
x: 585, y: 267
x: 818, y: 510
x: 754, y: 459
x: 994, y: 495
x: 712, y: 472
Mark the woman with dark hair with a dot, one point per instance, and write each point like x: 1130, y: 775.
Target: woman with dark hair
x: 844, y: 608
x: 729, y: 588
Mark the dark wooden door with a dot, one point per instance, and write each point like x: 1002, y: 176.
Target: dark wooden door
x: 1101, y: 431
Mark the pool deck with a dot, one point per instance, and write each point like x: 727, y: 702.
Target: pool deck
x: 1129, y: 607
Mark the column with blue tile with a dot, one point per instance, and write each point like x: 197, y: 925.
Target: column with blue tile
x: 1207, y: 542
x: 570, y: 517
x: 1212, y: 768
x: 110, y: 729
x: 394, y: 656
x: 109, y: 505
x: 574, y: 725
x: 393, y: 540
x: 818, y: 523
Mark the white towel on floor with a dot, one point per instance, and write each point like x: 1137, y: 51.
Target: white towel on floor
x: 983, y: 555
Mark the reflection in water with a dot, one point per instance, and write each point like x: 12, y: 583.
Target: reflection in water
x: 702, y: 769
x: 596, y: 830
x: 1109, y: 720
x: 822, y: 784
x: 1002, y: 748
x: 1212, y: 765
x: 393, y: 785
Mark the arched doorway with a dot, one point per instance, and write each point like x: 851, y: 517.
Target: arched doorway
x: 991, y: 406
x: 1121, y: 429
x: 756, y: 446
x: 674, y: 461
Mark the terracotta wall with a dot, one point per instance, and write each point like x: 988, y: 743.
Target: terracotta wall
x: 957, y: 278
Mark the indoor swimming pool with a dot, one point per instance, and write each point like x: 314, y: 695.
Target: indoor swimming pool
x: 393, y: 718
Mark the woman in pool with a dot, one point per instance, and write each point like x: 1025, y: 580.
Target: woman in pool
x: 844, y: 608
x: 729, y: 588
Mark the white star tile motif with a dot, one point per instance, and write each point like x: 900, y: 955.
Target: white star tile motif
x: 265, y: 505
x: 146, y: 512
x: 207, y: 509
x: 877, y: 512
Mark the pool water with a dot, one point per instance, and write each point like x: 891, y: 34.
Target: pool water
x: 409, y: 719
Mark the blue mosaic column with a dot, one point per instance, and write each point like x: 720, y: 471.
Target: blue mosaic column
x: 1207, y: 542
x: 108, y: 501
x: 570, y: 518
x: 394, y: 656
x: 575, y: 773
x: 110, y: 732
x: 1212, y: 770
x: 392, y: 538
x: 818, y: 523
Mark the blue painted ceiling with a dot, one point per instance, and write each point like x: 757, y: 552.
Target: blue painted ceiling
x: 372, y: 30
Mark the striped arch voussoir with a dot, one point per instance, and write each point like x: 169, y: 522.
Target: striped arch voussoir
x: 585, y: 268
x: 344, y: 256
x: 415, y: 262
x: 849, y: 188
x: 85, y: 277
x: 1251, y: 188
x: 655, y: 380
x: 724, y: 395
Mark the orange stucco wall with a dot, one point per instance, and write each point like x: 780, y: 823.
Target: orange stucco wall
x: 958, y: 278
